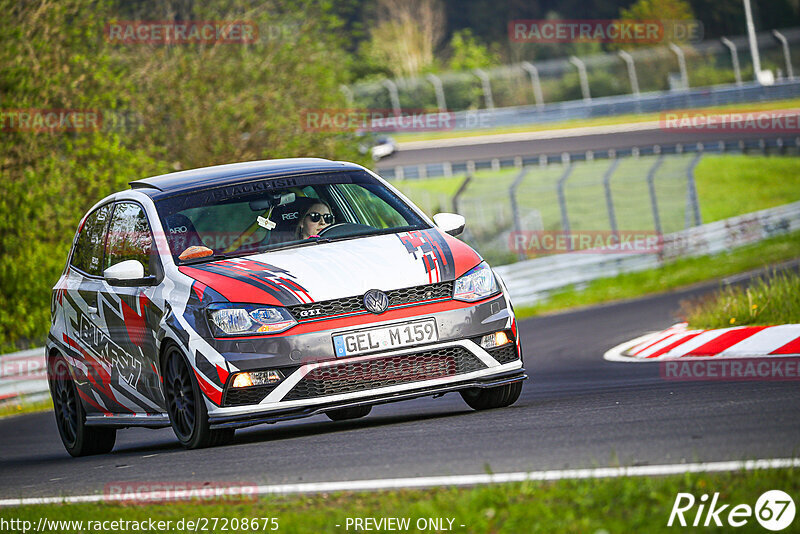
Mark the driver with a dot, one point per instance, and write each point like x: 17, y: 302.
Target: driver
x: 315, y: 219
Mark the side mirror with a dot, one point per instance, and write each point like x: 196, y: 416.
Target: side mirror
x: 450, y: 223
x: 129, y: 273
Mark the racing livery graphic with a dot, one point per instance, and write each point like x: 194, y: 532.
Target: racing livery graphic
x: 430, y: 248
x: 277, y: 283
x: 379, y: 304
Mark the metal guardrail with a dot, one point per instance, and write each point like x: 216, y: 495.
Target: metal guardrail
x: 23, y: 374
x: 531, y: 281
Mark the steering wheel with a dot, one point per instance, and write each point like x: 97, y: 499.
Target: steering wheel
x: 344, y: 229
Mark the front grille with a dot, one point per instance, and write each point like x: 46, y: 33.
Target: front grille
x: 355, y: 305
x: 506, y: 353
x: 352, y: 377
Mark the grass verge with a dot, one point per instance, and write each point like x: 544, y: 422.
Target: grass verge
x: 21, y: 405
x: 580, y: 123
x: 630, y: 504
x: 774, y: 299
x: 735, y: 184
x: 681, y: 273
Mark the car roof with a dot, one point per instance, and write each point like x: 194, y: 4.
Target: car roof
x: 234, y: 173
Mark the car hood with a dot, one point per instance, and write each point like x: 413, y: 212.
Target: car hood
x: 339, y: 269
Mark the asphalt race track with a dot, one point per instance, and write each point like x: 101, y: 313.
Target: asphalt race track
x: 578, y: 410
x: 578, y: 143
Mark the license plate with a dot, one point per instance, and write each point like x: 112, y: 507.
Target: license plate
x: 385, y: 338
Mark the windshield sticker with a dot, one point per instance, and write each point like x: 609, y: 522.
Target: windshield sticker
x: 263, y: 222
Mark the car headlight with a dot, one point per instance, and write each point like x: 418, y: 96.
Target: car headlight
x: 248, y: 319
x: 476, y: 284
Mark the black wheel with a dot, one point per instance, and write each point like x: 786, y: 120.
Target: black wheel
x: 488, y: 398
x: 186, y: 406
x: 343, y: 414
x: 78, y: 439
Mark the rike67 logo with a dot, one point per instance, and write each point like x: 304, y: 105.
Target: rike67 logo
x: 774, y: 510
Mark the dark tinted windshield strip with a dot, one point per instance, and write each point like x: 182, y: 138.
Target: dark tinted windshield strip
x: 216, y: 194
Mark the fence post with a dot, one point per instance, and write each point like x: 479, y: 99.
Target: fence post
x: 537, y: 84
x: 461, y: 189
x: 562, y: 202
x: 612, y: 218
x: 737, y: 72
x: 512, y: 193
x: 651, y: 177
x: 581, y: 66
x: 691, y: 192
x: 487, y: 87
x: 628, y: 59
x: 393, y: 95
x: 441, y: 103
x: 681, y: 64
x: 786, y: 56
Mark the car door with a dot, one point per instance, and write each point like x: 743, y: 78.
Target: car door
x: 84, y: 325
x: 129, y: 312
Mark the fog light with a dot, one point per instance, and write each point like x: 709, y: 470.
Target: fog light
x: 490, y: 341
x: 257, y: 378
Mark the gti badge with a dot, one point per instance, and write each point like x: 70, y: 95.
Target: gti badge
x: 376, y: 301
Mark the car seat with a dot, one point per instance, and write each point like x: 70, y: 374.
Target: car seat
x: 181, y: 233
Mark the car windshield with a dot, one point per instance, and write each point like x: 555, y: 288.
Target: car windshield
x: 272, y: 213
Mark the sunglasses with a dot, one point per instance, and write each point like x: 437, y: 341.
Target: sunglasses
x: 315, y: 217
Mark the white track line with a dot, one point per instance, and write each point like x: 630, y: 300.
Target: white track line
x: 426, y: 482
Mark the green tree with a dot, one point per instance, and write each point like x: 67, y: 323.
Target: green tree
x: 405, y: 35
x: 193, y: 105
x: 467, y: 53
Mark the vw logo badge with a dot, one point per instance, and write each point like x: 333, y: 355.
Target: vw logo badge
x: 376, y: 301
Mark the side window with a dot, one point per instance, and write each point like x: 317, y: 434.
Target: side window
x: 129, y: 237
x: 88, y: 253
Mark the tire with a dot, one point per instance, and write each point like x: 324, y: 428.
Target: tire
x: 343, y: 414
x: 78, y: 439
x: 489, y: 398
x: 186, y: 405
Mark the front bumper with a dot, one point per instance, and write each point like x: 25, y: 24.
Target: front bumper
x: 376, y: 379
